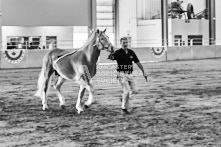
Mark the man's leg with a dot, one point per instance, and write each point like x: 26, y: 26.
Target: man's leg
x: 125, y: 96
x: 132, y: 84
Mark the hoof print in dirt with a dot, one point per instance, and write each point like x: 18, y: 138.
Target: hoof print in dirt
x: 62, y: 107
x: 46, y: 109
x: 86, y: 106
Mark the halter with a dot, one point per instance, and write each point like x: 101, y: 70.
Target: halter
x: 103, y: 44
x: 103, y: 47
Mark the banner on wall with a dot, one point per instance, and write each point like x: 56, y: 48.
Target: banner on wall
x: 158, y: 52
x: 14, y: 56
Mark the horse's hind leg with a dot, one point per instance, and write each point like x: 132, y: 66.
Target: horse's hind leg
x: 57, y: 87
x: 47, y: 81
x: 80, y: 95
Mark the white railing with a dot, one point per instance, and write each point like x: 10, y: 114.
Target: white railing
x: 173, y: 42
x: 41, y: 45
x: 69, y: 44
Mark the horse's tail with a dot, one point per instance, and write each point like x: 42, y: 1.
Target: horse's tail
x: 45, y: 75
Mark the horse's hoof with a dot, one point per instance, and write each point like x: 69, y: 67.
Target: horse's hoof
x: 45, y: 109
x: 62, y: 107
x: 124, y: 111
x: 79, y: 111
x: 86, y: 106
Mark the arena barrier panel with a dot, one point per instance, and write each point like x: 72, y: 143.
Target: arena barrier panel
x: 33, y: 58
x: 218, y: 51
x: 179, y: 53
x: 193, y: 52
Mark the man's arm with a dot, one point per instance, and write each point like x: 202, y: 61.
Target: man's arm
x: 142, y: 69
x: 137, y: 61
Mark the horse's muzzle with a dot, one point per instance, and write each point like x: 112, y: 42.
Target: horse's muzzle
x: 109, y: 48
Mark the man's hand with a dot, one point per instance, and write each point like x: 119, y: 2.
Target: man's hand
x: 110, y: 57
x: 141, y: 68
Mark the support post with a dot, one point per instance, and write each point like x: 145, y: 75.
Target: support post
x: 210, y: 5
x: 1, y: 44
x: 164, y: 20
x: 0, y: 24
x: 93, y: 15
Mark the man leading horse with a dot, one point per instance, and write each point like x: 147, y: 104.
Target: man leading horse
x: 125, y: 58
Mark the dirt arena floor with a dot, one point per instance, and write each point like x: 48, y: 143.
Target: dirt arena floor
x: 180, y: 106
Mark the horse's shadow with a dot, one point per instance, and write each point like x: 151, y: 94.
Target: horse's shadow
x: 70, y: 111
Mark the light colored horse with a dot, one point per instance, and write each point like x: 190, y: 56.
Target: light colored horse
x: 79, y: 66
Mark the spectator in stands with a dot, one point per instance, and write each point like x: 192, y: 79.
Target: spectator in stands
x: 190, y: 11
x: 176, y: 9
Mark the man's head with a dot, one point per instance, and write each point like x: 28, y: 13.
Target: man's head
x: 124, y: 42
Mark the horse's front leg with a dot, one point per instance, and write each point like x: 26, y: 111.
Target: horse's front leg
x: 80, y: 96
x: 90, y: 100
x: 57, y: 87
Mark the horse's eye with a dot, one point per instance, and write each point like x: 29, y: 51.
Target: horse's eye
x: 102, y: 38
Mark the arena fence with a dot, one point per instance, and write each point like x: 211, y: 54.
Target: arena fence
x: 24, y: 58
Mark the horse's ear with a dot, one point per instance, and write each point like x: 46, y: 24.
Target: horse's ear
x: 91, y: 31
x: 104, y: 30
x: 98, y: 31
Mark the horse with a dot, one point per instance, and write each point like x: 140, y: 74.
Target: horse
x: 79, y: 66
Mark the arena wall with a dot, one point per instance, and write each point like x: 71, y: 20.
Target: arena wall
x: 46, y: 13
x: 64, y: 34
x: 33, y: 58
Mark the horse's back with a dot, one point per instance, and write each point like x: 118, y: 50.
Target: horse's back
x: 62, y: 66
x: 67, y: 63
x: 56, y: 53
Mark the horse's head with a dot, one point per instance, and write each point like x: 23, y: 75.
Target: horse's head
x: 103, y: 42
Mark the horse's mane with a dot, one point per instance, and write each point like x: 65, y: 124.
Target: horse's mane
x: 90, y: 41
